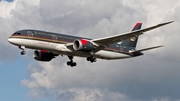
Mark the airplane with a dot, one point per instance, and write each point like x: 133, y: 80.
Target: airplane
x: 48, y: 45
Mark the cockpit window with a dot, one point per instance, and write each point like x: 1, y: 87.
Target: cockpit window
x: 17, y: 33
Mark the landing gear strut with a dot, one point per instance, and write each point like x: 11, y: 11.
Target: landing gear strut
x: 22, y: 48
x: 71, y: 63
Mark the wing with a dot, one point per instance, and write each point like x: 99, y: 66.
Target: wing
x: 106, y: 41
x: 145, y: 49
x: 102, y: 43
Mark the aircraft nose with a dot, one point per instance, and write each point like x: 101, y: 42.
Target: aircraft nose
x: 10, y: 40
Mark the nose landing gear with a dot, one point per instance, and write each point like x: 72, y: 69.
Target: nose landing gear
x: 23, y: 50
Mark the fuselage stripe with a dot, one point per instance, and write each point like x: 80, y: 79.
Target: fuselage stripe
x: 118, y: 50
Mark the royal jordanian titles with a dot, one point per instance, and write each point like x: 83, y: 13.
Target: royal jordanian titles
x: 48, y: 45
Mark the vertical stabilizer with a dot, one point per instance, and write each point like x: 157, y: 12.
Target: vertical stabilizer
x: 131, y: 42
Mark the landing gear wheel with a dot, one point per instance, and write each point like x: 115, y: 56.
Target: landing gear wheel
x: 91, y: 59
x: 22, y: 48
x: 74, y: 64
x: 69, y: 63
x: 95, y: 59
x: 23, y: 53
x: 88, y: 58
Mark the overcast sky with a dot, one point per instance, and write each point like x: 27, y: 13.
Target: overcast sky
x: 152, y: 77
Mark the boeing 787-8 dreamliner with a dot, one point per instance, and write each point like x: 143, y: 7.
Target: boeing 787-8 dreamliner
x: 48, y: 45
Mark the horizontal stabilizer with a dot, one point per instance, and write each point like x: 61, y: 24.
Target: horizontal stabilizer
x: 146, y: 49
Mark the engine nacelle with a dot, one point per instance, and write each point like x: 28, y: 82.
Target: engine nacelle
x: 43, y: 55
x: 83, y: 45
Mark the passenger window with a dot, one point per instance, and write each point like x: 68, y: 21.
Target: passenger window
x: 30, y: 34
x: 54, y: 37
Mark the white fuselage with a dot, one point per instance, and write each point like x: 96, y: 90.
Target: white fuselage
x: 63, y: 50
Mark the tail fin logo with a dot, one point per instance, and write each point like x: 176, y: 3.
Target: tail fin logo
x: 137, y: 26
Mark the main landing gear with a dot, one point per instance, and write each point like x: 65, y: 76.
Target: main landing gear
x: 91, y: 59
x: 22, y: 48
x: 71, y: 63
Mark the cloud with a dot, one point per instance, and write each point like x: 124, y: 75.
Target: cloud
x: 15, y: 16
x: 153, y: 76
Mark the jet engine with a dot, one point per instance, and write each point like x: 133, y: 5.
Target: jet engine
x: 43, y: 55
x: 83, y: 45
